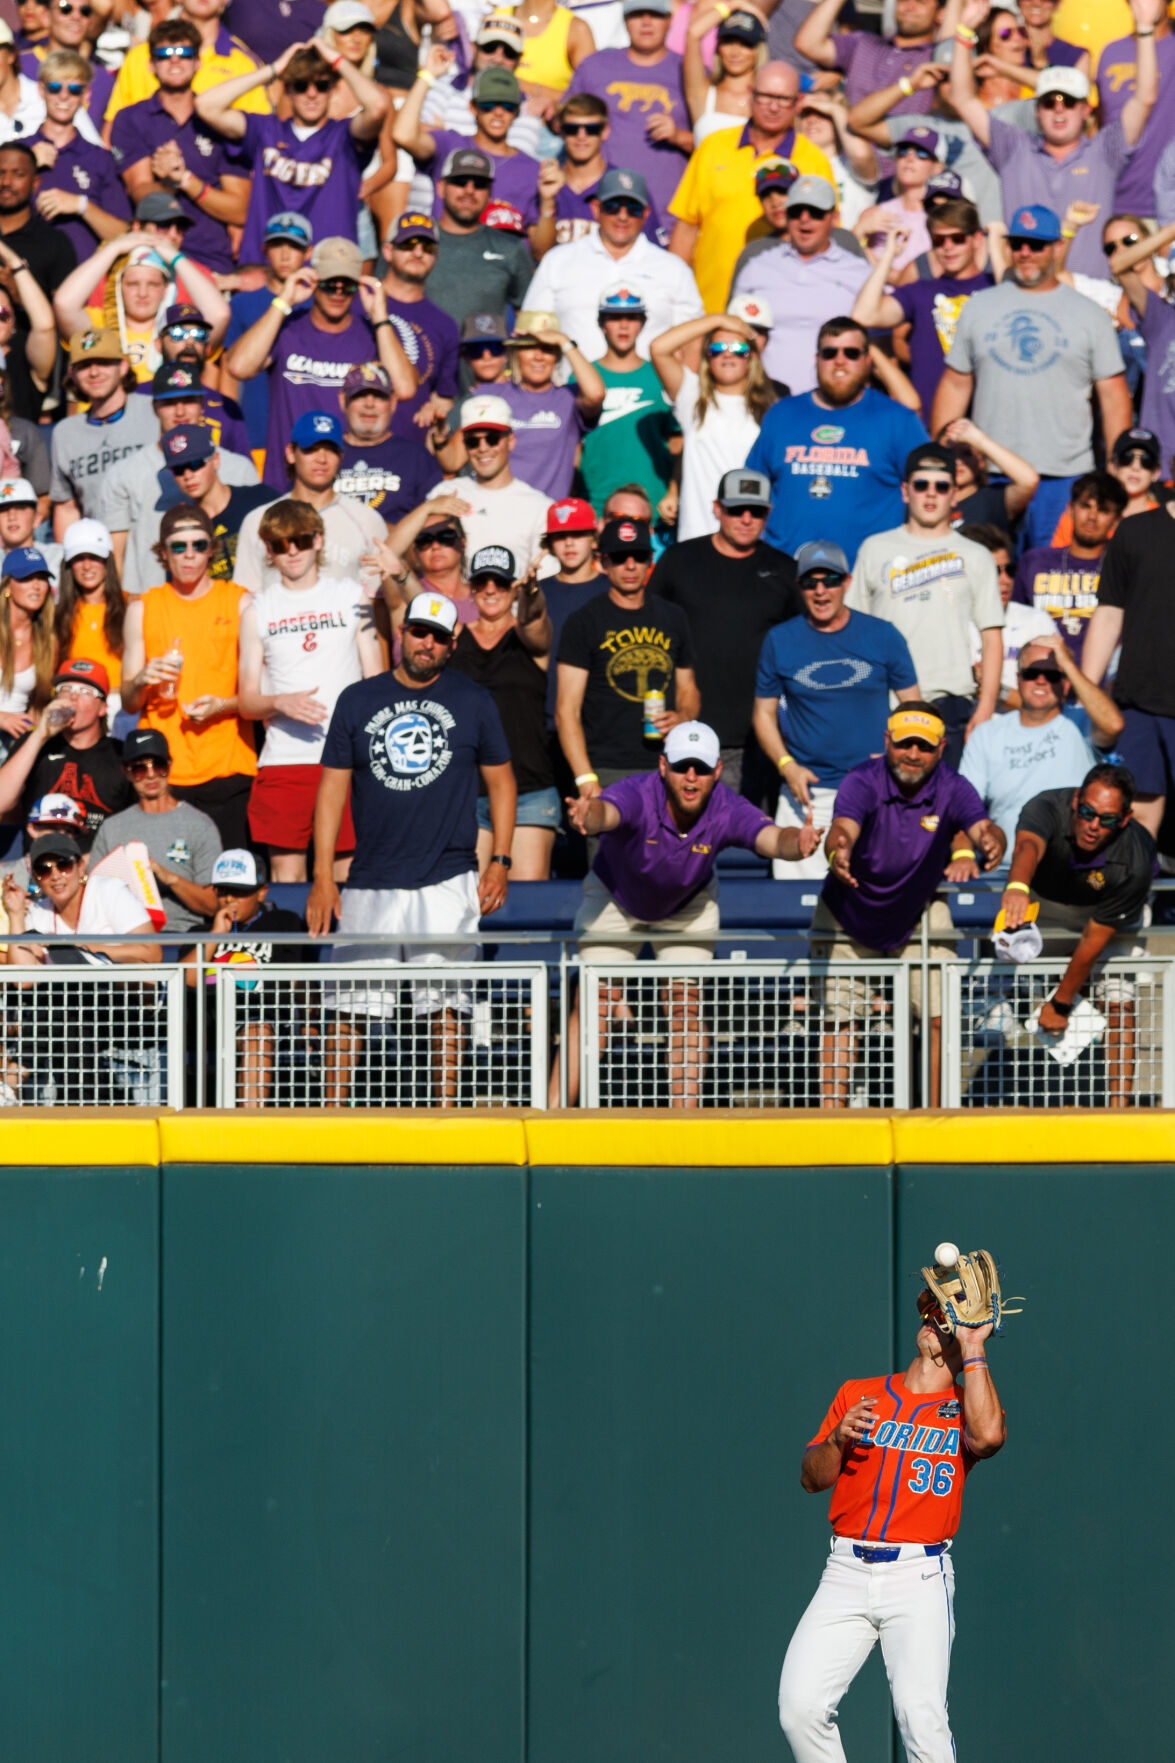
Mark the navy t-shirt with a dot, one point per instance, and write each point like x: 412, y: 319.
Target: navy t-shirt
x: 932, y: 309
x: 393, y: 476
x: 413, y: 753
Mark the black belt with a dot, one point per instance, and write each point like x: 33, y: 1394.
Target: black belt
x: 870, y: 1555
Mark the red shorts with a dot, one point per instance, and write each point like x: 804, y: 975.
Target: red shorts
x: 281, y: 809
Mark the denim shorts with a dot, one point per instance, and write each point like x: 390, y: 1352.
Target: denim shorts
x: 535, y: 808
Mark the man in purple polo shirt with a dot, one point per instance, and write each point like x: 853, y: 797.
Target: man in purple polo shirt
x: 1117, y: 80
x: 660, y: 835
x: 888, y: 848
x: 643, y: 89
x: 69, y: 28
x: 78, y: 187
x: 160, y: 144
x: 870, y: 63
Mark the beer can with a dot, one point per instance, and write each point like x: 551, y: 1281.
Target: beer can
x: 654, y: 706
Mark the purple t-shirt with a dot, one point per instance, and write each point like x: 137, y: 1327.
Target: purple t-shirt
x: 547, y: 431
x: 1134, y: 192
x: 1028, y: 173
x: 318, y: 177
x: 429, y: 338
x: 902, y: 851
x: 1062, y: 54
x: 574, y: 218
x: 650, y: 867
x: 1052, y: 580
x: 516, y: 175
x: 1158, y: 387
x: 932, y: 309
x: 393, y: 477
x: 869, y: 63
x: 307, y: 373
x: 634, y: 95
x: 84, y: 170
x: 98, y: 93
x: 139, y: 129
x: 269, y: 30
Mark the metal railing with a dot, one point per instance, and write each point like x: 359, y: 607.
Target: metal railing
x: 92, y: 1037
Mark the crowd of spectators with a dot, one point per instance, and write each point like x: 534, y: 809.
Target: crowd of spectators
x: 442, y: 443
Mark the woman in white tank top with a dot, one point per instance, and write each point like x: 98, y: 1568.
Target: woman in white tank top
x: 721, y: 98
x: 28, y: 649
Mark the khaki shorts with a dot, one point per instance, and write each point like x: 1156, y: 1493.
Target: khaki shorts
x: 844, y: 997
x: 686, y: 936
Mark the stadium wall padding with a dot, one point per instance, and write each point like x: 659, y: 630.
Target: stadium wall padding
x: 395, y: 1436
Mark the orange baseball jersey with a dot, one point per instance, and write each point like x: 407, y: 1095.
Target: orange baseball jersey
x: 904, y: 1483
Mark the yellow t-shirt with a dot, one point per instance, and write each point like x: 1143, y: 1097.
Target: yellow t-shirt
x: 717, y: 195
x: 225, y: 59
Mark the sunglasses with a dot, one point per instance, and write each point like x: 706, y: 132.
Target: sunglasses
x: 428, y: 246
x: 1052, y: 99
x: 581, y: 128
x: 942, y: 486
x: 64, y: 7
x: 224, y: 893
x: 75, y: 688
x: 339, y: 284
x: 485, y: 438
x: 177, y: 547
x: 811, y: 583
x: 850, y: 351
x: 147, y: 767
x: 188, y: 465
x: 1112, y: 245
x: 628, y: 556
x: 446, y: 536
x: 1089, y: 815
x: 619, y: 205
x: 477, y: 582
x: 477, y: 350
x: 1009, y: 30
x: 469, y: 183
x: 914, y: 741
x: 1052, y: 674
x: 46, y: 866
x: 508, y: 52
x: 937, y: 239
x: 75, y: 88
x: 483, y: 109
x: 1146, y: 461
x: 773, y: 98
x: 187, y: 333
x: 322, y: 87
x: 421, y: 631
x: 173, y: 52
x: 755, y: 513
x: 806, y: 212
x: 912, y: 147
x: 1036, y: 246
x: 299, y: 542
x: 680, y: 767
x: 739, y: 349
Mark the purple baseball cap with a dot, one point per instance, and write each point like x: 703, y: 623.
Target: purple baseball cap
x: 189, y: 443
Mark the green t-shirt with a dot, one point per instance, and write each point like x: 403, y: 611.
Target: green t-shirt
x: 628, y: 444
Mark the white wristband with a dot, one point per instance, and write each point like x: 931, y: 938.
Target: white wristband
x: 83, y: 204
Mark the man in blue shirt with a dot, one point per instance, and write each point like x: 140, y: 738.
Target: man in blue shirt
x: 834, y: 671
x: 410, y: 745
x: 835, y: 456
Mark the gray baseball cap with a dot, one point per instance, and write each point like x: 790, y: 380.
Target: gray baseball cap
x: 821, y: 554
x: 812, y: 192
x: 741, y: 488
x: 618, y: 182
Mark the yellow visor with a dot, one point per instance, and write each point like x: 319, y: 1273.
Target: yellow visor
x: 905, y: 725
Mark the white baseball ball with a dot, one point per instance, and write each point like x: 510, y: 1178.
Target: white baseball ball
x: 946, y: 1254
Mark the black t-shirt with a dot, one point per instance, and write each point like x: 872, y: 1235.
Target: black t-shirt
x: 563, y: 598
x: 625, y: 654
x: 51, y: 257
x: 1113, y: 886
x: 242, y: 499
x: 731, y: 604
x: 519, y: 686
x: 92, y: 776
x: 985, y: 506
x: 1137, y: 575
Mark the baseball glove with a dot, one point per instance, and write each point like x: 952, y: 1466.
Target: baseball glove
x: 969, y: 1294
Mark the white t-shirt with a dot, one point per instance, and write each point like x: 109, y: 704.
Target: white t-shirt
x: 108, y: 909
x: 352, y: 528
x: 515, y: 517
x: 1022, y: 624
x: 933, y: 589
x: 309, y: 638
x: 722, y: 442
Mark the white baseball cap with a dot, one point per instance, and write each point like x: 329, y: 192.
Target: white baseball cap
x: 693, y: 740
x: 486, y: 412
x: 753, y: 310
x: 86, y: 538
x: 15, y: 490
x: 344, y: 15
x: 238, y: 868
x: 1069, y: 81
x: 434, y: 609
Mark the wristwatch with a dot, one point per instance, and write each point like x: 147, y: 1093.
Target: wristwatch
x: 1061, y: 1009
x: 506, y: 862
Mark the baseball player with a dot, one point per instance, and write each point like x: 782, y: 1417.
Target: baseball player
x: 895, y: 1452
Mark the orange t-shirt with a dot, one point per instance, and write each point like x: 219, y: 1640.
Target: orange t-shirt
x: 208, y: 630
x: 906, y: 1484
x: 89, y: 642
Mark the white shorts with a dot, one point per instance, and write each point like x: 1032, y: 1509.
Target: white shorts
x: 447, y: 908
x: 791, y: 812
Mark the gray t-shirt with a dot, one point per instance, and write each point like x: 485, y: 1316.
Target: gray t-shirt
x: 933, y: 590
x: 183, y: 839
x: 84, y: 451
x: 484, y: 271
x: 135, y: 495
x: 1035, y: 358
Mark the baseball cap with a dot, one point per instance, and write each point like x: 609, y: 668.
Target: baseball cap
x: 95, y: 345
x: 52, y: 845
x: 921, y: 135
x: 1035, y: 222
x: 775, y: 174
x: 191, y: 443
x: 25, y: 561
x: 622, y: 300
x: 7, y: 40
x: 1070, y: 81
x: 692, y: 740
x: 820, y: 554
x: 161, y: 209
x: 812, y: 192
x: 317, y: 428
x: 174, y: 380
x: 741, y: 488
x: 663, y: 7
x: 494, y: 85
x: 504, y: 217
x: 499, y: 27
x: 1135, y: 441
x: 413, y: 225
x: 337, y: 256
x: 931, y: 453
x: 483, y: 327
x: 434, y: 610
x: 468, y: 162
x: 493, y: 560
x: 144, y: 743
x: 288, y: 225
x: 184, y: 313
x: 85, y: 672
x: 572, y: 515
x: 86, y: 538
x: 742, y: 27
x: 237, y: 868
x: 348, y: 15
x: 57, y: 810
x: 486, y: 412
x: 372, y: 376
x: 619, y: 536
x: 753, y: 310
x: 530, y: 324
x: 617, y: 182
x: 15, y: 490
x: 905, y: 724
x: 944, y: 186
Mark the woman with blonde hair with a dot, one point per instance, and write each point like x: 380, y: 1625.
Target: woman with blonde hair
x: 720, y: 407
x: 721, y: 99
x: 28, y: 645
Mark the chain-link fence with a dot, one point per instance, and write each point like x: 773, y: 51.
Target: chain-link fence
x: 85, y: 1037
x: 1115, y: 1051
x: 745, y: 1034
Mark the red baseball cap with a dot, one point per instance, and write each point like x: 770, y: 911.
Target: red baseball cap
x: 85, y: 672
x: 572, y: 515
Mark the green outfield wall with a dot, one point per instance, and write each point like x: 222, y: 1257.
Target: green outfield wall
x: 395, y: 1437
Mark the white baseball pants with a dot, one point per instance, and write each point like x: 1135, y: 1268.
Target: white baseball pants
x: 908, y: 1605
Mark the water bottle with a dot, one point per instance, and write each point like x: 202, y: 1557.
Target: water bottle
x: 168, y: 689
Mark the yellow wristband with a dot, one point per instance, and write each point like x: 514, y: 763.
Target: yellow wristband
x: 587, y: 777
x: 784, y: 759
x: 427, y: 78
x: 1067, y: 232
x: 963, y: 851
x: 283, y: 306
x: 965, y: 35
x: 724, y: 11
x: 1017, y: 888
x: 905, y: 87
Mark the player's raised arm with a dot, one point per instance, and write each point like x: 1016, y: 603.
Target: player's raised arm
x: 984, y: 1427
